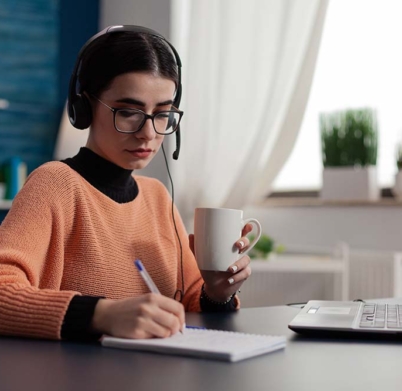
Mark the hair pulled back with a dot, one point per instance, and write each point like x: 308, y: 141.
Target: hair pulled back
x: 114, y: 54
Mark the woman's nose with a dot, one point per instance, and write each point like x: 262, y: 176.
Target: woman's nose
x: 147, y: 131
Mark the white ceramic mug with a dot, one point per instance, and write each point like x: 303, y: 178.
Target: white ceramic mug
x: 215, y: 232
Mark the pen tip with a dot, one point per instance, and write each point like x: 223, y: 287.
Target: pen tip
x: 138, y: 264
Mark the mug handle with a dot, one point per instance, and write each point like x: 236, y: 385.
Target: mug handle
x: 255, y: 240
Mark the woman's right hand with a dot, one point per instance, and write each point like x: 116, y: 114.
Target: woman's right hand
x: 147, y: 316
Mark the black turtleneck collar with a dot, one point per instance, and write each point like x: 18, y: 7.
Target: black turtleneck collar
x: 115, y: 182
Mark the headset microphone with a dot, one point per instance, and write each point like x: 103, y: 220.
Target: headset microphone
x: 178, y: 142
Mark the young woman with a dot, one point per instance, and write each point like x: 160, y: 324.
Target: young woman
x: 68, y: 244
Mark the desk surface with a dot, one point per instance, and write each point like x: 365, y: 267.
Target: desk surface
x: 305, y: 364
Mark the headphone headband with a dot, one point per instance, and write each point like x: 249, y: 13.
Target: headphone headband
x: 78, y: 106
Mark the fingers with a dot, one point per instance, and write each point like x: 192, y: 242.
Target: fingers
x: 247, y: 229
x: 240, y: 264
x: 147, y: 316
x: 240, y: 276
x: 147, y: 327
x: 242, y: 244
x: 171, y: 306
x: 155, y: 322
x: 167, y: 313
x: 222, y: 285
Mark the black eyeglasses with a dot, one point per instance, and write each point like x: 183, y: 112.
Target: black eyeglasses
x: 132, y: 120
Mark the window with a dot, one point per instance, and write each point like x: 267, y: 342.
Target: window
x: 359, y: 65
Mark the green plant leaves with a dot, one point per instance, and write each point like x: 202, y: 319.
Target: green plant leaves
x: 349, y: 137
x: 264, y: 247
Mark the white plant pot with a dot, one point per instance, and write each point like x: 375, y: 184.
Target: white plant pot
x: 397, y: 189
x: 350, y: 183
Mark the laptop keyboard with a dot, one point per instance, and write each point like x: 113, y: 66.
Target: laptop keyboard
x: 381, y: 316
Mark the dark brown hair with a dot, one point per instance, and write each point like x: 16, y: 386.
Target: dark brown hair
x: 114, y: 54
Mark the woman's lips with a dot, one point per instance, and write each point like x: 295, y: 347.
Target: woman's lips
x: 140, y: 152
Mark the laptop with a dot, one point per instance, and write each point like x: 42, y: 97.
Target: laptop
x: 349, y: 318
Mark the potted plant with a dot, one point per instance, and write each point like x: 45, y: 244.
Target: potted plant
x: 265, y: 247
x: 349, y: 141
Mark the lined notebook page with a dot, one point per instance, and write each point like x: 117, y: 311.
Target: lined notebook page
x: 213, y: 344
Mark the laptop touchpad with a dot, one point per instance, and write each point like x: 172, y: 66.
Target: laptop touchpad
x: 334, y: 310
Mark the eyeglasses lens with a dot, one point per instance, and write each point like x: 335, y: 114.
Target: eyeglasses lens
x: 130, y: 121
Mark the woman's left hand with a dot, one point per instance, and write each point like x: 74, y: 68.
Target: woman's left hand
x: 220, y: 286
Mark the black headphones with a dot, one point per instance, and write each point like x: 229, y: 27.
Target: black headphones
x: 78, y: 106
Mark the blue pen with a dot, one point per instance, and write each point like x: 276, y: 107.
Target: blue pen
x: 148, y: 280
x: 146, y: 277
x: 196, y: 327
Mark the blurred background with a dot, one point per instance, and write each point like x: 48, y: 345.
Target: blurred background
x: 292, y: 113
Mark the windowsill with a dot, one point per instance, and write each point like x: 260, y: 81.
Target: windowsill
x: 316, y: 201
x: 312, y: 198
x: 5, y: 204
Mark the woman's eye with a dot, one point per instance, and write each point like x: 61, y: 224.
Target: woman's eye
x: 162, y: 116
x: 127, y: 113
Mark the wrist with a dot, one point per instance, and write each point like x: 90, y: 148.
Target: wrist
x: 213, y: 297
x: 99, y: 323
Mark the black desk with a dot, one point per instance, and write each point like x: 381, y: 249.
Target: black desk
x: 305, y: 364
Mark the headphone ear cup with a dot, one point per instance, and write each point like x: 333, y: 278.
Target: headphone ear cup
x: 81, y: 116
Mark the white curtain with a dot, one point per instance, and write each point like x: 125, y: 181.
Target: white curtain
x: 247, y: 72
x: 69, y: 139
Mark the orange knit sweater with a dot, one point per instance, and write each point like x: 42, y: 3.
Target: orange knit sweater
x: 63, y: 237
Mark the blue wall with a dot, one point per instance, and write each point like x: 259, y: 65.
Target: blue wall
x: 78, y: 22
x: 28, y: 78
x: 39, y: 42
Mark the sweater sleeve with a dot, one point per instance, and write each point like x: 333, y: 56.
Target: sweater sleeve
x: 31, y: 262
x: 77, y: 322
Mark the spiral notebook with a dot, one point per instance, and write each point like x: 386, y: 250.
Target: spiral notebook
x: 206, y: 343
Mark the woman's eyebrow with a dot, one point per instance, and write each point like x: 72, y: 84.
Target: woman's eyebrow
x: 131, y: 101
x: 140, y: 103
x: 165, y: 103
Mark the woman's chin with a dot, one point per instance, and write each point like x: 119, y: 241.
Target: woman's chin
x: 137, y: 165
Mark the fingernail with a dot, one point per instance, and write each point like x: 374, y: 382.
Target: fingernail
x: 231, y: 281
x: 183, y: 328
x: 233, y: 268
x: 241, y: 244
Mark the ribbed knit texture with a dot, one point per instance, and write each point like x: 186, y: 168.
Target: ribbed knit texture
x: 63, y: 237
